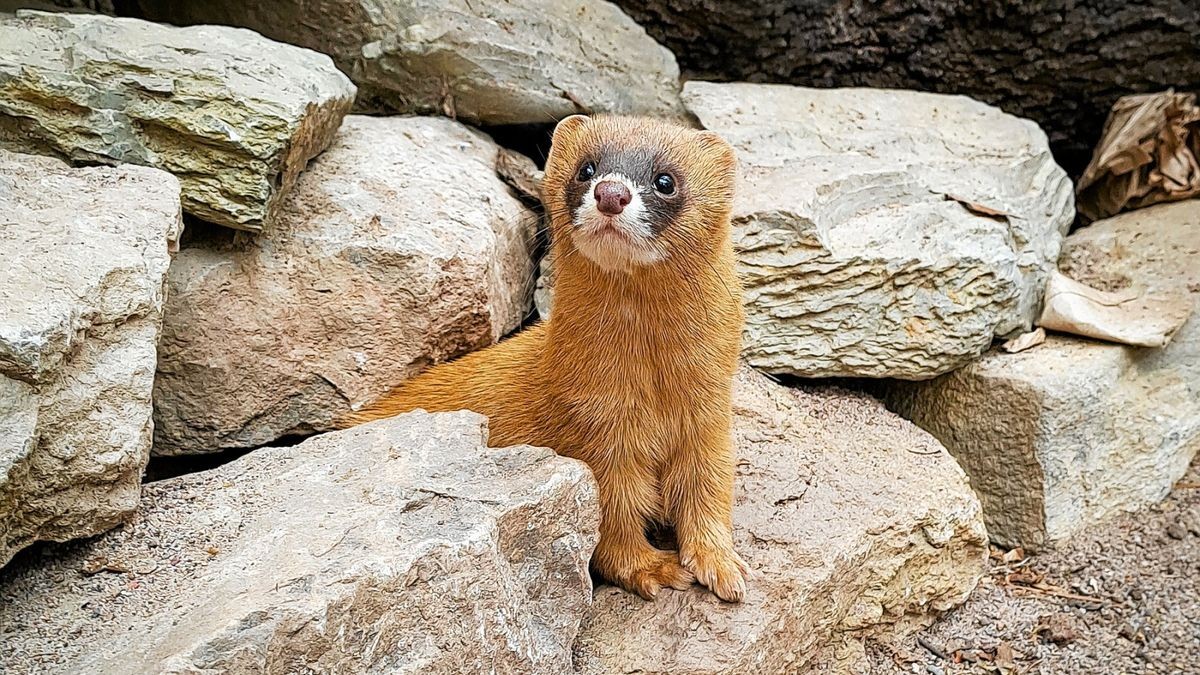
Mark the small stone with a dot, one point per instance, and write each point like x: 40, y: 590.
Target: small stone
x: 1176, y: 531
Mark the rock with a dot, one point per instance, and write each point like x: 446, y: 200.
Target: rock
x: 401, y: 546
x: 854, y: 522
x: 517, y: 62
x: 884, y: 233
x: 1062, y: 435
x: 1059, y: 63
x: 399, y: 247
x: 233, y: 115
x: 83, y: 265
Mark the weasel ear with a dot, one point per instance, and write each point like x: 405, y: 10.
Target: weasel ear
x: 567, y: 127
x: 712, y: 142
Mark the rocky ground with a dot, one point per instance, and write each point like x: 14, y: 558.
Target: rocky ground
x: 1122, y: 597
x: 328, y: 256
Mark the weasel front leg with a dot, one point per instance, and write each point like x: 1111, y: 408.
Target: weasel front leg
x: 624, y: 556
x: 698, y: 498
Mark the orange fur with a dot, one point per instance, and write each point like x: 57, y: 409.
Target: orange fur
x: 633, y: 372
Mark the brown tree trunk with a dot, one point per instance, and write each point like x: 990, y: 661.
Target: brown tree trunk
x: 1061, y: 63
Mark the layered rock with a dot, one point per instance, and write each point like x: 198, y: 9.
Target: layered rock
x: 1064, y: 434
x: 83, y: 265
x: 519, y: 62
x: 884, y: 233
x: 233, y: 115
x: 399, y: 247
x: 855, y: 523
x: 401, y: 546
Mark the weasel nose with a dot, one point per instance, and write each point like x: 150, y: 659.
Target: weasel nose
x: 612, y: 197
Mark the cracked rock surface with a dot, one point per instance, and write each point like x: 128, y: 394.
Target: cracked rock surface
x: 405, y: 545
x: 233, y: 115
x: 399, y: 247
x: 884, y: 233
x: 83, y: 265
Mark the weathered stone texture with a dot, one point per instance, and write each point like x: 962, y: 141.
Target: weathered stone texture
x: 83, y: 264
x: 233, y: 115
x: 401, y: 546
x: 399, y: 247
x: 853, y: 521
x: 516, y: 62
x: 884, y: 233
x: 1071, y: 431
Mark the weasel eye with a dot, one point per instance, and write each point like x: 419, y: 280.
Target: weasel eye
x: 586, y: 171
x: 664, y: 183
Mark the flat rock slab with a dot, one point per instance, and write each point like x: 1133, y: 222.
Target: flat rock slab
x: 515, y: 62
x: 852, y: 520
x: 399, y: 247
x: 884, y: 233
x: 401, y: 546
x: 233, y: 115
x: 1062, y: 435
x: 83, y: 265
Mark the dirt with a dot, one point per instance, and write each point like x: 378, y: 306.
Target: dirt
x: 1123, y: 597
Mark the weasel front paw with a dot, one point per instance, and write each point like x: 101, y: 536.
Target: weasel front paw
x: 722, y: 570
x: 660, y: 570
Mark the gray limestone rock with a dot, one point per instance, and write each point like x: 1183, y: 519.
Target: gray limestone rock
x: 515, y: 62
x: 402, y: 546
x: 399, y: 247
x: 233, y: 115
x: 83, y: 265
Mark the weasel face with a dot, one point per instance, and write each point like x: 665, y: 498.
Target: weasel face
x: 613, y: 222
x: 632, y: 192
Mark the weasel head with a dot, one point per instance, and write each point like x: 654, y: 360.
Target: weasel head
x: 630, y: 192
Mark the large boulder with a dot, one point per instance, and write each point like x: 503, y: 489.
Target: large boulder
x: 83, y: 265
x: 1071, y: 431
x: 854, y: 522
x: 403, y: 546
x: 233, y: 115
x: 1061, y: 63
x: 399, y: 247
x: 516, y: 62
x: 884, y: 233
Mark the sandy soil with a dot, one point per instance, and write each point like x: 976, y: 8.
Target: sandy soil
x: 1121, y: 598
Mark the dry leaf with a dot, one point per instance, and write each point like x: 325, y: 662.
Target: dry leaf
x: 977, y: 208
x: 1025, y: 341
x: 1149, y: 153
x: 1127, y: 317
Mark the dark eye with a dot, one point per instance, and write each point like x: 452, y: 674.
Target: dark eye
x: 664, y: 183
x: 586, y: 171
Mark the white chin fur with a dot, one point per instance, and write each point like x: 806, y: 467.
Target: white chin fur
x: 615, y: 243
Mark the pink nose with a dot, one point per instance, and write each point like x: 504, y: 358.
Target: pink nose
x: 612, y: 197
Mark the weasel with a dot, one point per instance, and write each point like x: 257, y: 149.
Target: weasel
x: 633, y: 372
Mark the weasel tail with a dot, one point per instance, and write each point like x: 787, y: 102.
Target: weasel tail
x: 633, y: 372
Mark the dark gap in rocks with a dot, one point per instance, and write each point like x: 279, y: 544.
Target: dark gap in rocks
x: 874, y: 387
x: 173, y: 466
x: 531, y: 140
x: 199, y: 233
